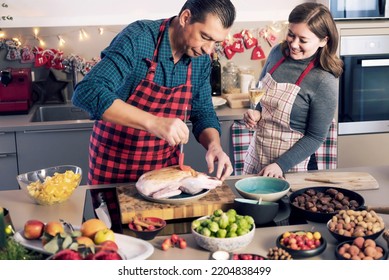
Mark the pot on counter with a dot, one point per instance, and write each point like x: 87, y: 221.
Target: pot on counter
x: 263, y: 212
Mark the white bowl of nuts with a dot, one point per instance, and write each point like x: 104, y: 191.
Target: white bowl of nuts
x: 349, y: 224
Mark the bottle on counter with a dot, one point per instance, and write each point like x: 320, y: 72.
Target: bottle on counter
x: 216, y: 76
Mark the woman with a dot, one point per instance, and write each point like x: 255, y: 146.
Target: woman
x: 301, y: 81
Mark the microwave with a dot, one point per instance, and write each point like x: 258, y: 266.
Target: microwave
x: 357, y: 9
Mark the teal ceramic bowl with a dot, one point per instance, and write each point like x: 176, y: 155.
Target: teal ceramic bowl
x: 265, y: 188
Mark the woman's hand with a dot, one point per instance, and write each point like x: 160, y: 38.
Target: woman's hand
x: 272, y: 170
x: 251, y: 118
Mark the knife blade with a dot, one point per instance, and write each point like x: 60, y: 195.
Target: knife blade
x: 181, y: 156
x: 320, y: 180
x: 102, y: 211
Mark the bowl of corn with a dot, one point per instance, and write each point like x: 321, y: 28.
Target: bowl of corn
x: 51, y: 185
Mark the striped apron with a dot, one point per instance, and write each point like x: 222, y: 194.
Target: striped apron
x: 273, y: 135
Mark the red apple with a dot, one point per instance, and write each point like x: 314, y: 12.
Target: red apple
x: 109, y: 245
x: 33, y: 229
x: 67, y: 254
x: 107, y: 255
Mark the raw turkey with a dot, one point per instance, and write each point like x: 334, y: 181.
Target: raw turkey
x: 170, y: 181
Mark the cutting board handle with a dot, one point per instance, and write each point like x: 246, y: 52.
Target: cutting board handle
x: 380, y: 210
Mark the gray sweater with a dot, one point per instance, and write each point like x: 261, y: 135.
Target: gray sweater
x: 313, y: 109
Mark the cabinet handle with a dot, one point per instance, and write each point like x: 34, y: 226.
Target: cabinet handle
x: 6, y: 155
x: 374, y: 62
x: 57, y: 130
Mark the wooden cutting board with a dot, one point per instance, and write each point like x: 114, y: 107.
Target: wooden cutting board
x: 131, y: 203
x: 349, y: 180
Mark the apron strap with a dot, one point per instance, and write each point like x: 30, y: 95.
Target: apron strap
x: 159, y: 39
x: 306, y: 71
x: 303, y: 74
x: 276, y: 65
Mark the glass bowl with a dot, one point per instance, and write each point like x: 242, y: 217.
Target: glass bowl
x: 51, y: 185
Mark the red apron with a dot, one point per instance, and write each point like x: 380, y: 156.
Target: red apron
x: 273, y: 135
x: 119, y: 154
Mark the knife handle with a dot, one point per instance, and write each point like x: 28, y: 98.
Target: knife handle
x: 380, y: 210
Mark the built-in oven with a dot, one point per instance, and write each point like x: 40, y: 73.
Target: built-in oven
x: 357, y: 9
x: 364, y: 85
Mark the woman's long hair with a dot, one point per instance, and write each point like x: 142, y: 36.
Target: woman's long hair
x: 320, y: 22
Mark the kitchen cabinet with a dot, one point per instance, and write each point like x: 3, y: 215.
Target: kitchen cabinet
x: 50, y: 147
x: 195, y: 152
x: 363, y: 150
x: 8, y: 161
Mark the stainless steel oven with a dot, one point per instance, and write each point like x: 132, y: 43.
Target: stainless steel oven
x: 357, y: 9
x: 364, y: 85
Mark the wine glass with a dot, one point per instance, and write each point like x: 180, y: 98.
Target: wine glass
x: 256, y: 91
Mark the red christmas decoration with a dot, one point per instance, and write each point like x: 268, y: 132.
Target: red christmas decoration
x: 258, y: 53
x: 249, y: 40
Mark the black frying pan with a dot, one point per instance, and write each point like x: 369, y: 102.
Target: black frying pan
x: 325, y: 217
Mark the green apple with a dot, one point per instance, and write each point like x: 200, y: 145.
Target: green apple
x: 104, y: 235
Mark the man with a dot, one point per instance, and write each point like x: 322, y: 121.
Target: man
x: 150, y: 75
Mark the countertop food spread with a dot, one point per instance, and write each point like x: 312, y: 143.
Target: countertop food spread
x: 22, y: 209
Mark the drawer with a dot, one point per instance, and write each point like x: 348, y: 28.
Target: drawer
x: 7, y: 142
x: 8, y: 172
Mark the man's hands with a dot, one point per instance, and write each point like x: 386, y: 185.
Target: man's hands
x: 174, y: 131
x: 214, y: 154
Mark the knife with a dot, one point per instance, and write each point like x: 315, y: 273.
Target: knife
x: 325, y: 180
x: 102, y: 211
x: 181, y: 156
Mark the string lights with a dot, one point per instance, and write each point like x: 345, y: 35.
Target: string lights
x: 83, y: 34
x: 61, y: 40
x: 41, y: 39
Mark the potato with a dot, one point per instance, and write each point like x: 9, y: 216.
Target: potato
x: 370, y: 251
x: 369, y: 243
x: 359, y: 242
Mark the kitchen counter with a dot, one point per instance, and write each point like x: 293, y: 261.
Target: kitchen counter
x: 22, y: 209
x: 9, y: 123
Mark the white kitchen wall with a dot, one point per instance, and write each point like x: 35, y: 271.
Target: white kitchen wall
x: 66, y: 18
x: 27, y: 13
